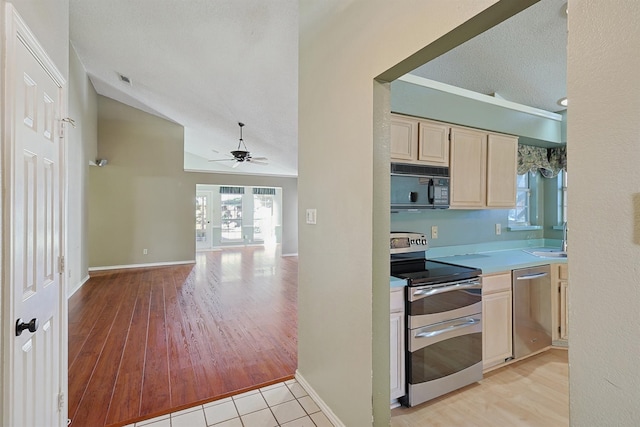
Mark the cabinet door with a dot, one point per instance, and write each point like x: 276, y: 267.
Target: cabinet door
x: 468, y: 160
x: 496, y: 328
x: 564, y: 318
x: 404, y: 138
x: 433, y: 143
x: 396, y: 360
x: 502, y: 158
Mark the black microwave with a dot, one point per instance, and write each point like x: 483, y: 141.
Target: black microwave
x: 417, y: 187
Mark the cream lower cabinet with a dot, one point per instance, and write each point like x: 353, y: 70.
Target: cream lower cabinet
x: 397, y: 360
x: 559, y: 302
x: 497, y: 321
x: 483, y: 169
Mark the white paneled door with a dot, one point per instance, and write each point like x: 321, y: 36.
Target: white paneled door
x: 34, y: 315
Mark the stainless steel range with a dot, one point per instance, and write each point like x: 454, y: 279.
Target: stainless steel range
x: 443, y: 308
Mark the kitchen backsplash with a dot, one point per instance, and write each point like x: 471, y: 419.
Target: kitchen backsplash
x: 461, y: 227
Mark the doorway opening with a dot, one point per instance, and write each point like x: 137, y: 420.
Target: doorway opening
x: 237, y: 216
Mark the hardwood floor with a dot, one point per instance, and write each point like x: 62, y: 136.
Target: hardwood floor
x: 533, y: 393
x: 151, y: 341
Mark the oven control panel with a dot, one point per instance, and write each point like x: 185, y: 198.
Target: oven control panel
x: 408, y: 242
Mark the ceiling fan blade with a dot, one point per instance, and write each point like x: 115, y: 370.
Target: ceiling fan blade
x: 236, y: 164
x: 220, y: 160
x: 259, y: 158
x: 257, y: 162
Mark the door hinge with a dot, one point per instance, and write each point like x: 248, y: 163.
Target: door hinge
x: 60, y: 402
x: 449, y: 135
x: 559, y: 329
x: 61, y: 264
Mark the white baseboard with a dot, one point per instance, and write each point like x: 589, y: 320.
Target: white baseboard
x: 78, y: 286
x: 316, y: 398
x: 151, y: 264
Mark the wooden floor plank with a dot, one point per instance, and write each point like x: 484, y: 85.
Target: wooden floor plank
x: 99, y: 390
x: 156, y: 384
x: 180, y: 367
x: 125, y: 403
x: 82, y: 368
x: 225, y: 325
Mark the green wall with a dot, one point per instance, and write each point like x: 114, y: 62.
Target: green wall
x: 465, y: 227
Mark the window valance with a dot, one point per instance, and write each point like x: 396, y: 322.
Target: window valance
x: 548, y: 161
x: 231, y: 190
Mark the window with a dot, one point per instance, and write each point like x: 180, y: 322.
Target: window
x: 202, y: 216
x: 231, y: 212
x: 521, y: 215
x: 263, y: 214
x: 562, y: 197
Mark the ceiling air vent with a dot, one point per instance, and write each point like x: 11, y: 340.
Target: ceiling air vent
x: 125, y: 79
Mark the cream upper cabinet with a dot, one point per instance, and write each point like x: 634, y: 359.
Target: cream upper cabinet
x: 496, y: 319
x: 419, y: 141
x: 468, y: 168
x: 502, y: 162
x: 433, y: 143
x: 483, y: 169
x: 404, y: 138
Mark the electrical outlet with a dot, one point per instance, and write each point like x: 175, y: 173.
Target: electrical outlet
x: 498, y: 229
x: 434, y: 231
x: 145, y: 252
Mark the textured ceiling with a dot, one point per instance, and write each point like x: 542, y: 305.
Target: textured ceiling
x: 209, y: 64
x: 205, y: 64
x: 522, y: 59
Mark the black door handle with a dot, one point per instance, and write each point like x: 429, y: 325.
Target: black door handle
x: 21, y: 326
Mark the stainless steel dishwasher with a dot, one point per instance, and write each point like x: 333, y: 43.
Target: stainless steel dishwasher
x: 531, y: 310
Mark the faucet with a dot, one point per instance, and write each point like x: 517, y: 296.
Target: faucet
x: 564, y: 236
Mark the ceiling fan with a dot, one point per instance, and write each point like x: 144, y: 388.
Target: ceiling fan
x: 241, y: 156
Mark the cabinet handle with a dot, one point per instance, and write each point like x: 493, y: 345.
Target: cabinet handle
x: 532, y: 276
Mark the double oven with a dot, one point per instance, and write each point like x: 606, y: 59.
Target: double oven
x: 443, y: 309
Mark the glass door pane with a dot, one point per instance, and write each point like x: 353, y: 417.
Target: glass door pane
x: 202, y: 221
x: 263, y: 220
x: 231, y: 210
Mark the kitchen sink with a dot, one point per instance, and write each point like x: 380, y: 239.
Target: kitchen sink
x: 547, y: 252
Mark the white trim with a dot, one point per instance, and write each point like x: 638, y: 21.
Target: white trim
x: 294, y: 254
x: 279, y: 175
x: 150, y: 264
x: 78, y: 286
x: 443, y: 87
x: 316, y: 398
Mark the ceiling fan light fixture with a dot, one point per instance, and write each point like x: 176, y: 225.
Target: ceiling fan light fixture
x: 242, y: 154
x: 563, y: 101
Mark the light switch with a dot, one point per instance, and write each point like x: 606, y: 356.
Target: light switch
x: 434, y: 231
x: 311, y: 216
x: 498, y: 229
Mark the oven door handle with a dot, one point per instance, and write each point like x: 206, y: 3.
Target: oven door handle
x: 469, y: 322
x: 434, y: 291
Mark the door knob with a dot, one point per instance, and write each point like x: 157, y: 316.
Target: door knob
x: 21, y: 326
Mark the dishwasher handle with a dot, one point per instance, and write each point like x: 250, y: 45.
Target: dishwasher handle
x: 532, y: 276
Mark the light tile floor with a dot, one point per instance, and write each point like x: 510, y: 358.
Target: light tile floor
x: 285, y: 404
